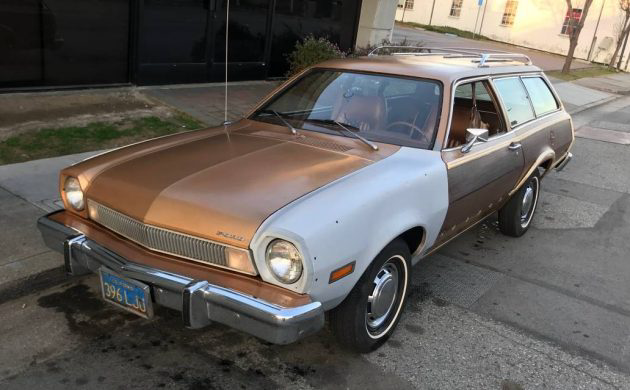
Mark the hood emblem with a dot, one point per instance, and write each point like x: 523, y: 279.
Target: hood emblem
x: 230, y: 236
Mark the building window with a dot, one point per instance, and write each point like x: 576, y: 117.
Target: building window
x: 456, y: 8
x: 407, y: 3
x: 571, y: 19
x: 509, y: 13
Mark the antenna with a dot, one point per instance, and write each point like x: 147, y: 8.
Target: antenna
x: 227, y: 30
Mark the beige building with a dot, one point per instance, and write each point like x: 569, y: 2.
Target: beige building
x: 537, y: 24
x: 376, y: 21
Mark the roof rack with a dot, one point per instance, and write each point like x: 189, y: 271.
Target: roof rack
x: 482, y: 56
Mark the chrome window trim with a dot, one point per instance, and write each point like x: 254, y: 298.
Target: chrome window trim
x: 516, y: 138
x: 536, y: 117
x: 559, y: 105
x: 511, y: 129
x: 531, y: 106
x: 452, y: 104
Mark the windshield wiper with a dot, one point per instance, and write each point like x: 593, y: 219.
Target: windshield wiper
x: 281, y: 117
x: 344, y: 127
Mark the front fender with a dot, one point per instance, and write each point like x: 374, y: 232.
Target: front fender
x: 355, y: 217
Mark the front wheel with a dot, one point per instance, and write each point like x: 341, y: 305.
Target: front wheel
x: 516, y: 216
x: 369, y: 314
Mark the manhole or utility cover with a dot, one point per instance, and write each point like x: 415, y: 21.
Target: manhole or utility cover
x: 454, y: 281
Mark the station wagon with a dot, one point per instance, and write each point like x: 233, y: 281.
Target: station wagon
x: 319, y: 201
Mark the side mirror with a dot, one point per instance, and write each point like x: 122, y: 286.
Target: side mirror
x: 472, y: 136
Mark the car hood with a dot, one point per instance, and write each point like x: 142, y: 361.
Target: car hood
x: 219, y: 185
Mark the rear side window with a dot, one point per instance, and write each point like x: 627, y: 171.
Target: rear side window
x: 515, y: 99
x: 542, y: 98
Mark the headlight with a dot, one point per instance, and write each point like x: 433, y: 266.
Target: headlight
x: 284, y: 261
x: 74, y: 194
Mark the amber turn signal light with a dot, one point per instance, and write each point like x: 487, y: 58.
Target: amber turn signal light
x: 341, y: 272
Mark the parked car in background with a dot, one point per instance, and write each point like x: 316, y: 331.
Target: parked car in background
x: 321, y: 199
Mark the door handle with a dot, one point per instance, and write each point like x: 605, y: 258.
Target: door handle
x: 515, y: 146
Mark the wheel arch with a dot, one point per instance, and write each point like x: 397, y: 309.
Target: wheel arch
x: 544, y: 160
x: 415, y: 238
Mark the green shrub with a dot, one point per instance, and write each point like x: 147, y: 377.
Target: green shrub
x: 365, y: 50
x: 311, y: 51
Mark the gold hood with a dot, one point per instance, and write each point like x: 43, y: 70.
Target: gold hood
x: 217, y: 186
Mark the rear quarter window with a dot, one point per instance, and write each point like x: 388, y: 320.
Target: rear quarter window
x: 515, y: 100
x: 540, y: 95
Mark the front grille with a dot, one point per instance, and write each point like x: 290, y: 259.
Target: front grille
x: 159, y: 239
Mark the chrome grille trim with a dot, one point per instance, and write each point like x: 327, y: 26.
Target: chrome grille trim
x: 160, y: 239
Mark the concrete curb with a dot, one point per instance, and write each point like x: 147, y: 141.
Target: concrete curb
x: 594, y: 104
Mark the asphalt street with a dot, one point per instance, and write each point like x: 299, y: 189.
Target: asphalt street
x: 548, y: 310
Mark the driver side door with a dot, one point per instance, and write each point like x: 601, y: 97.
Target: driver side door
x: 480, y: 180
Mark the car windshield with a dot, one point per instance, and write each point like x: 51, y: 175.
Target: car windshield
x: 394, y: 110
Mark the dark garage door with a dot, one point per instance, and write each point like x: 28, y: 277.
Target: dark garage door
x: 63, y: 42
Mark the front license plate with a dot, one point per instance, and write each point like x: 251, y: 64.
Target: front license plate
x: 128, y: 294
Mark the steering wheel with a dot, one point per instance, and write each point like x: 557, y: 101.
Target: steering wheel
x: 412, y: 128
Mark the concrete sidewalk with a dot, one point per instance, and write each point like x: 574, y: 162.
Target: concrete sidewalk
x: 577, y: 97
x: 206, y: 102
x: 27, y: 191
x: 589, y: 92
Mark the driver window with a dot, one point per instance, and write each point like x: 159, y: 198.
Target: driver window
x: 474, y: 106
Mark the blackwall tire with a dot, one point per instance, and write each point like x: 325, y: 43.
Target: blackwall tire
x: 515, y: 217
x: 370, y: 313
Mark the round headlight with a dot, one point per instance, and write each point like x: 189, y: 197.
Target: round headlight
x: 74, y: 194
x: 284, y: 261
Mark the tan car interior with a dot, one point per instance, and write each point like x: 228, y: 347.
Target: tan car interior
x: 365, y: 112
x: 406, y: 115
x: 464, y: 115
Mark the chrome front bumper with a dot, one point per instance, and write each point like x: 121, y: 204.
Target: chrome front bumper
x: 199, y: 301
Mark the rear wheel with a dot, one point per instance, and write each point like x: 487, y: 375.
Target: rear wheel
x: 369, y: 314
x: 517, y: 214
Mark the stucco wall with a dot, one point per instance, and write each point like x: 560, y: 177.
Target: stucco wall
x: 537, y: 24
x: 376, y: 21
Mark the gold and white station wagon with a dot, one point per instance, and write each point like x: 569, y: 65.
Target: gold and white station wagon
x: 321, y: 199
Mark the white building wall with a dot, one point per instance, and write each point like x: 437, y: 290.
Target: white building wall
x: 537, y: 24
x: 376, y: 21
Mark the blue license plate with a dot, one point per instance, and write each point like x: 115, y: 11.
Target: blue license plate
x: 128, y: 294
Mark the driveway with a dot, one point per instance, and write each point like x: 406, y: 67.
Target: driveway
x: 544, y: 60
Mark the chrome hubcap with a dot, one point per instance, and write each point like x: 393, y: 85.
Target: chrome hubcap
x: 529, y: 201
x: 381, y: 300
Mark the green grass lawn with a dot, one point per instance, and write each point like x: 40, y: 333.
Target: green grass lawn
x: 444, y: 30
x: 581, y: 73
x: 50, y: 142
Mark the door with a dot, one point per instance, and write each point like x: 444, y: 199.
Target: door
x: 63, y: 42
x: 249, y: 44
x: 172, y: 42
x: 478, y: 181
x: 183, y: 41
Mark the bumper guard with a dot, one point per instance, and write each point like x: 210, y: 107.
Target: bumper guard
x: 199, y: 301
